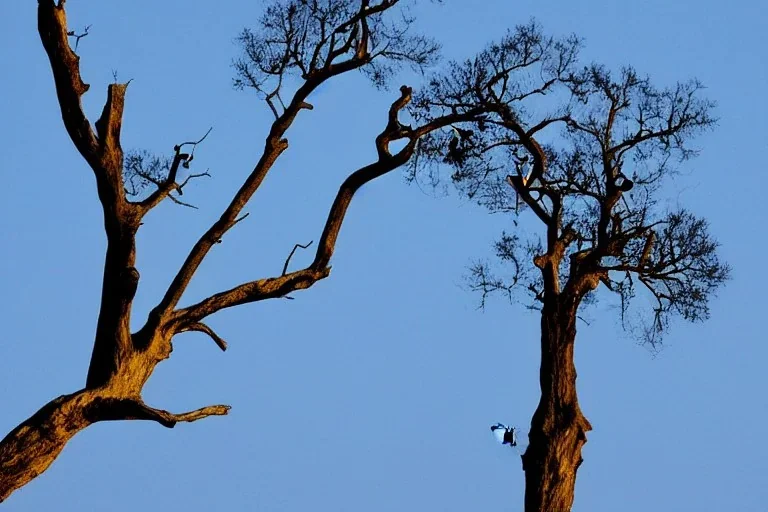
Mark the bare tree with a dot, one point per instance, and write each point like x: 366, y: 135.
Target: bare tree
x: 300, y: 45
x: 586, y: 151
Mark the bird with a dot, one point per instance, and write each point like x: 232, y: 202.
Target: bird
x: 527, y: 170
x: 504, y: 434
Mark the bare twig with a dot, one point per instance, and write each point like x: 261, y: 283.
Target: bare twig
x: 241, y: 218
x: 194, y: 144
x: 165, y: 187
x: 181, y: 185
x: 181, y: 203
x: 288, y: 259
x: 78, y: 37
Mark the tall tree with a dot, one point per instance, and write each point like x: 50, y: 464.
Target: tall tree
x: 586, y: 152
x: 299, y: 46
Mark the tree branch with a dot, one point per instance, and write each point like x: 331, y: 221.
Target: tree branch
x: 201, y: 327
x: 108, y: 128
x: 77, y: 36
x: 65, y: 64
x: 168, y: 185
x: 274, y: 287
x: 113, y: 409
x: 274, y: 147
x: 280, y: 286
x: 103, y: 153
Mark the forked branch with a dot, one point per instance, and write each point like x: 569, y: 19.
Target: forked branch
x: 280, y: 286
x: 169, y: 184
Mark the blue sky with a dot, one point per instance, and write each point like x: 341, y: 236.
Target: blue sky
x: 373, y: 390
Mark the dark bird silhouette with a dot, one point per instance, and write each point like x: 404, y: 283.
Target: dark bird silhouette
x: 504, y: 434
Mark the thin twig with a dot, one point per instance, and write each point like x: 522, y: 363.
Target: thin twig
x: 195, y: 143
x: 190, y: 177
x: 182, y: 203
x: 288, y: 259
x: 242, y: 217
x: 78, y: 37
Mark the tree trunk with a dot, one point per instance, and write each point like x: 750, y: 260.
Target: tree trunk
x: 558, y: 428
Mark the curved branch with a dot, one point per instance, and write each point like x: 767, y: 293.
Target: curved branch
x: 274, y: 146
x: 65, y: 64
x: 280, y: 286
x: 168, y: 185
x: 253, y: 291
x: 201, y: 327
x: 30, y: 448
x: 165, y: 187
x: 102, y: 152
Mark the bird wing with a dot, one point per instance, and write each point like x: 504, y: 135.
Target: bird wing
x: 499, y: 434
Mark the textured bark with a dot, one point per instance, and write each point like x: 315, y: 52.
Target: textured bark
x: 31, y: 447
x: 578, y: 186
x: 122, y: 361
x: 558, y: 428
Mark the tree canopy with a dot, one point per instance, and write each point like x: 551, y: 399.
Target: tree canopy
x: 587, y: 151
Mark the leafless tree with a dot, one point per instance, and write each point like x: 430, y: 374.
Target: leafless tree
x: 586, y: 151
x: 300, y: 45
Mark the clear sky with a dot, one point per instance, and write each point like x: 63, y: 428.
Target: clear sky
x: 373, y: 390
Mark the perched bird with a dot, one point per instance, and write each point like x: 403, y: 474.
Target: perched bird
x: 526, y: 170
x: 504, y: 434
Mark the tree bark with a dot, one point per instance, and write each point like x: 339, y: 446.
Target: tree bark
x: 121, y: 361
x: 31, y: 447
x: 558, y: 428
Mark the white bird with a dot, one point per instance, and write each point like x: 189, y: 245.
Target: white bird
x: 504, y: 434
x: 524, y: 169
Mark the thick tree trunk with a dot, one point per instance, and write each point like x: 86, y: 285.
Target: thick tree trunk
x: 558, y: 428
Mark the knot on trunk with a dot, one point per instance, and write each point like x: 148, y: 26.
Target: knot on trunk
x: 129, y: 281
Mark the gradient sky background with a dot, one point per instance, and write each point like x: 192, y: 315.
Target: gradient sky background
x: 373, y: 390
